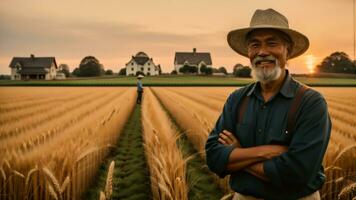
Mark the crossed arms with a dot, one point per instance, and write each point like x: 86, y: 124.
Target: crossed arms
x: 249, y: 159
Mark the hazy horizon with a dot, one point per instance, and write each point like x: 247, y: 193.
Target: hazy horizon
x: 115, y: 30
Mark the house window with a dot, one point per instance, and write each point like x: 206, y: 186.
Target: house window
x: 132, y: 63
x: 132, y: 69
x: 149, y: 69
x: 141, y: 68
x: 148, y: 63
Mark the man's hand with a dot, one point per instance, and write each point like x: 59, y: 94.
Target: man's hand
x: 227, y: 138
x: 249, y: 159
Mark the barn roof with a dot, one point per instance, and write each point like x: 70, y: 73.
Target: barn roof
x: 30, y: 62
x: 192, y: 57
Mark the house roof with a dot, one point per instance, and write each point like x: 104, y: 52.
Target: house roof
x: 141, y: 58
x: 44, y: 62
x: 141, y: 54
x: 192, y: 58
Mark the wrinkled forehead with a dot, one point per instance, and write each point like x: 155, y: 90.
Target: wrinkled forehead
x: 267, y: 33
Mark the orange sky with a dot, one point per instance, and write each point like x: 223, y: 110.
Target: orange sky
x: 114, y: 30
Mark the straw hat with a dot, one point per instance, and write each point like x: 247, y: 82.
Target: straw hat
x: 140, y: 76
x: 270, y: 19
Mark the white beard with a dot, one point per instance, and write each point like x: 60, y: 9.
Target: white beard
x: 266, y: 75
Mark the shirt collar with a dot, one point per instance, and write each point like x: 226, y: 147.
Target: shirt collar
x: 288, y: 88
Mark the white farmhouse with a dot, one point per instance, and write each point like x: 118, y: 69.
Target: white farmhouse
x: 24, y: 68
x: 192, y: 59
x: 142, y: 63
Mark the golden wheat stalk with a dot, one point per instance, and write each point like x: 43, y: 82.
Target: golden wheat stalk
x: 51, y: 192
x: 28, y: 179
x: 347, y: 192
x: 166, y: 164
x: 3, y: 175
x: 53, y: 181
x: 109, y: 181
x: 65, y: 184
x: 102, y: 196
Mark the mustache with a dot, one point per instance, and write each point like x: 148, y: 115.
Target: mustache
x: 263, y: 58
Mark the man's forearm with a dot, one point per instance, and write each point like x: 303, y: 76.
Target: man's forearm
x: 257, y: 171
x: 241, y: 158
x: 236, y: 166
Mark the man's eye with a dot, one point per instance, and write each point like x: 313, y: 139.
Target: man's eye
x: 253, y: 45
x: 272, y: 43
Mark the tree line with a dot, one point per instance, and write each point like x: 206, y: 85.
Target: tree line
x: 337, y: 62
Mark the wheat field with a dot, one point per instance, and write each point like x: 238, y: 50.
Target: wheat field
x: 53, y: 140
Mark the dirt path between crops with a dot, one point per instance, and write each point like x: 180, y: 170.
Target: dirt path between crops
x: 201, y: 183
x: 131, y: 176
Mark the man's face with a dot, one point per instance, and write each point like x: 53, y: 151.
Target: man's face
x: 268, y: 53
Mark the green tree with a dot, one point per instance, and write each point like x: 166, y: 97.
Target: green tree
x: 64, y: 69
x: 76, y: 72
x: 238, y: 65
x: 337, y: 62
x: 188, y: 69
x: 209, y: 71
x: 159, y: 69
x: 5, y: 77
x: 244, y: 71
x: 222, y: 70
x: 122, y: 71
x: 90, y: 66
x: 203, y: 68
x: 109, y: 72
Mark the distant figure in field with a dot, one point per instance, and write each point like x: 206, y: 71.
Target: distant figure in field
x: 139, y: 89
x: 272, y: 135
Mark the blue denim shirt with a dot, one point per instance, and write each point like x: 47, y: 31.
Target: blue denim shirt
x: 139, y: 86
x: 292, y: 175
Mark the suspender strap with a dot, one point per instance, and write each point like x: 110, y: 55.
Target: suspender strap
x: 242, y: 105
x: 292, y: 114
x: 242, y: 108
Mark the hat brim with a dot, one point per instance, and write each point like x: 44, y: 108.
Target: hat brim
x: 237, y: 40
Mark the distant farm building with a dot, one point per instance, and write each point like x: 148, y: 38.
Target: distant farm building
x: 194, y: 58
x: 25, y: 68
x: 142, y: 63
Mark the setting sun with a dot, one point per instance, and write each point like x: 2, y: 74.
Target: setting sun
x: 310, y: 62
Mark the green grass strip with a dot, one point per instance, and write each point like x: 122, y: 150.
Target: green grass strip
x: 180, y: 80
x: 131, y: 175
x: 200, y: 180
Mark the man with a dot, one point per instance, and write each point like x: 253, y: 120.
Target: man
x: 272, y: 135
x: 139, y: 89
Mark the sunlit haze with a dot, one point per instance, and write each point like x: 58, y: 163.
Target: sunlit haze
x: 114, y: 30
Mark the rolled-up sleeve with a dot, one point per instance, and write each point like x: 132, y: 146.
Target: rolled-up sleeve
x: 303, y: 159
x: 217, y: 155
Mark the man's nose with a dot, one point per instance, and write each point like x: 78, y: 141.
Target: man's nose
x: 263, y: 51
